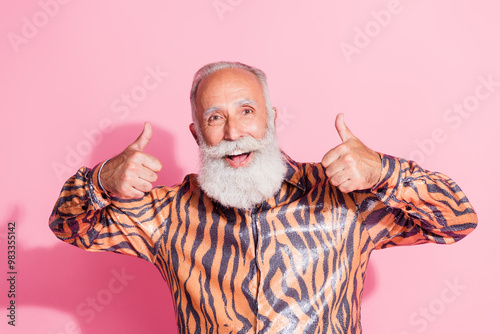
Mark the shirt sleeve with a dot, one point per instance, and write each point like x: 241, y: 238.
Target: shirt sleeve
x: 410, y: 205
x: 86, y: 217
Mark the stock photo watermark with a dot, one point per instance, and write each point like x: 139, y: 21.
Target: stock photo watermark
x: 421, y: 319
x: 224, y: 6
x: 31, y: 25
x: 454, y: 117
x: 364, y: 35
x: 283, y: 119
x: 95, y: 304
x: 121, y: 109
x: 12, y: 272
x: 89, y: 309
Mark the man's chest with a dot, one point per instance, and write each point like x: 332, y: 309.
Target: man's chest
x: 272, y: 266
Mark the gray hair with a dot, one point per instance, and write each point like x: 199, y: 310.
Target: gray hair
x: 211, y: 68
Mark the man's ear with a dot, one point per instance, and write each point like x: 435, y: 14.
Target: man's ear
x: 275, y: 116
x: 193, y: 132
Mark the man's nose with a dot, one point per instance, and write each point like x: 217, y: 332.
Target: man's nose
x: 233, y: 129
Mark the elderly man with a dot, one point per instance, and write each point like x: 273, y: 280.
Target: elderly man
x: 256, y: 242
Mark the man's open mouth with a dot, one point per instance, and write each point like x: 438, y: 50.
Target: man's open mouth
x: 238, y: 158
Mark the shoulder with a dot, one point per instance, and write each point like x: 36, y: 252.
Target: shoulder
x: 305, y: 174
x: 188, y: 185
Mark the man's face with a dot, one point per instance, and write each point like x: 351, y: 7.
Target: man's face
x: 230, y: 104
x: 241, y: 162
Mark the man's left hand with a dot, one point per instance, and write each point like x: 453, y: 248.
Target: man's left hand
x: 351, y: 165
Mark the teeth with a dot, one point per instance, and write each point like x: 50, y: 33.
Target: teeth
x: 238, y: 151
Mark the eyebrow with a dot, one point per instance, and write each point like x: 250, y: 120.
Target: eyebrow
x: 239, y: 103
x: 243, y: 102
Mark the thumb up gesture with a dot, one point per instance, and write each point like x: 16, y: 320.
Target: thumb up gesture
x: 351, y: 165
x: 131, y: 173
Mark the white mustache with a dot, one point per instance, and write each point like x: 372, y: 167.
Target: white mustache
x: 246, y: 186
x: 234, y: 147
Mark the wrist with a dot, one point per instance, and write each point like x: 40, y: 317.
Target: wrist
x: 99, y: 178
x: 378, y: 169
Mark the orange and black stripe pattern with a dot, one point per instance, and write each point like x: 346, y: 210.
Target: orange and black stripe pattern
x: 294, y: 264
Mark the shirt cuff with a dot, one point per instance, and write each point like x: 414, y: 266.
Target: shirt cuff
x: 390, y: 177
x: 98, y: 195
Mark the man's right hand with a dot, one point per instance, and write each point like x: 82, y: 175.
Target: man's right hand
x: 131, y: 173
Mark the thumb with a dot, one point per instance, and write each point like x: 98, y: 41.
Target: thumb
x: 142, y: 141
x: 342, y: 129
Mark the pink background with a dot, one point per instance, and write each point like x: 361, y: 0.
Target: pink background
x: 65, y: 67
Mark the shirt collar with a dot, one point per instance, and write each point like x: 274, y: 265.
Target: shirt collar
x: 294, y: 174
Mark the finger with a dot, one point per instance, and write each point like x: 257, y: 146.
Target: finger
x: 342, y: 129
x: 142, y: 186
x: 333, y: 155
x: 334, y: 168
x: 148, y: 175
x: 339, y: 178
x: 131, y: 192
x: 347, y: 180
x: 142, y: 141
x: 347, y: 186
x: 151, y: 162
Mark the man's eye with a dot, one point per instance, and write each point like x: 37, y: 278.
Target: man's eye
x: 213, y: 118
x: 247, y: 111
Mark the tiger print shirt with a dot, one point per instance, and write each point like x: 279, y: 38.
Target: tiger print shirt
x: 293, y: 264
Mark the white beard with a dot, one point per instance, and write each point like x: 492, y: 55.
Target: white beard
x: 242, y: 187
